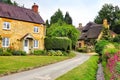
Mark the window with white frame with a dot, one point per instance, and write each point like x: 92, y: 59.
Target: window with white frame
x: 6, y: 25
x: 5, y: 42
x: 36, y: 29
x: 36, y: 43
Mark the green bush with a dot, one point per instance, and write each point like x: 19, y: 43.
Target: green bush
x: 82, y: 49
x: 51, y: 53
x: 117, y: 68
x: 1, y: 51
x: 99, y: 46
x: 19, y: 52
x: 117, y: 39
x: 55, y: 53
x: 58, y: 43
x: 59, y: 53
x: 6, y: 53
x: 38, y: 52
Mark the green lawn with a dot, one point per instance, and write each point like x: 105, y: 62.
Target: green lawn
x: 10, y: 64
x: 86, y: 71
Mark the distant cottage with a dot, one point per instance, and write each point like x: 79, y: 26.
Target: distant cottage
x: 21, y: 28
x: 92, y: 31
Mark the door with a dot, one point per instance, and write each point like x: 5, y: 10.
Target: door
x: 26, y: 46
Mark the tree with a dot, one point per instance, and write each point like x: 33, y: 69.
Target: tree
x: 10, y: 2
x: 7, y: 1
x: 111, y: 13
x: 67, y: 18
x: 55, y: 17
x: 47, y: 24
x: 61, y: 29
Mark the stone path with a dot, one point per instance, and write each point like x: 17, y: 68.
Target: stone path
x: 50, y: 72
x: 100, y: 74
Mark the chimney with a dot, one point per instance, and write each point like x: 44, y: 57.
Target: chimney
x: 105, y: 23
x: 35, y: 8
x: 80, y: 25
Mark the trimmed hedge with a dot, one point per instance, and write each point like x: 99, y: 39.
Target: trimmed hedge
x: 58, y: 43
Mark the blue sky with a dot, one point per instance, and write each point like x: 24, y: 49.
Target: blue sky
x: 81, y: 11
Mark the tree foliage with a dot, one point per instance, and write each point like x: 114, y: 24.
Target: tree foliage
x: 47, y: 24
x: 111, y: 13
x: 10, y: 2
x: 67, y: 18
x: 61, y: 29
x: 55, y: 17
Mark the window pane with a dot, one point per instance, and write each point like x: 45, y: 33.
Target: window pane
x: 5, y: 42
x: 35, y: 43
x: 35, y: 29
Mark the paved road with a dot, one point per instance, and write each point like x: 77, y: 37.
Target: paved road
x: 49, y: 72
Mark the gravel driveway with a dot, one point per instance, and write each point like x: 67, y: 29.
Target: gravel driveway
x: 50, y: 72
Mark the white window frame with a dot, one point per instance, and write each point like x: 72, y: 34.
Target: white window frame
x: 5, y: 42
x: 6, y: 25
x: 36, y: 29
x: 35, y: 43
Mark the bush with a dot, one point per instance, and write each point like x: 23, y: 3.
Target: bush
x: 117, y: 68
x: 6, y: 53
x: 55, y: 53
x: 59, y: 53
x: 38, y: 52
x: 82, y: 49
x: 58, y: 43
x: 51, y: 53
x: 117, y: 39
x: 19, y: 52
x: 100, y: 46
x: 1, y: 51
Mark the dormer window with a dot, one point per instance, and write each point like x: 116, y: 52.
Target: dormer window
x: 6, y: 25
x: 36, y: 29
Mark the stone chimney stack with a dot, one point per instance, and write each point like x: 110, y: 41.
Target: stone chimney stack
x: 105, y: 23
x: 80, y: 25
x: 35, y: 8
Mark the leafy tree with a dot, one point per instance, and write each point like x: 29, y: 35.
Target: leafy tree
x: 67, y: 18
x: 111, y: 13
x: 47, y: 24
x: 61, y: 29
x: 9, y: 2
x: 55, y: 17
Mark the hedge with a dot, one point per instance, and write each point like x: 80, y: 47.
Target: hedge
x: 58, y: 43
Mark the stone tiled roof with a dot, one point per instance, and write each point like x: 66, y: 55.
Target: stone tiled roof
x: 19, y: 13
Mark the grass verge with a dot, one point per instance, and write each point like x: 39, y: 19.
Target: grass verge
x: 13, y: 64
x: 86, y: 71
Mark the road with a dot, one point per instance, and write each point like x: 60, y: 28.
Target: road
x: 50, y: 72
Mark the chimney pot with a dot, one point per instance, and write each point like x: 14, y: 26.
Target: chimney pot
x: 35, y: 8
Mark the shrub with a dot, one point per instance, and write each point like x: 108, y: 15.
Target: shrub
x: 51, y: 53
x: 6, y: 53
x: 117, y: 39
x: 59, y: 53
x: 1, y: 51
x: 82, y: 49
x: 100, y: 46
x: 58, y: 43
x: 19, y: 52
x: 38, y: 52
x: 117, y: 68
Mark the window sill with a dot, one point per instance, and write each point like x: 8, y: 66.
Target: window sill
x: 6, y: 29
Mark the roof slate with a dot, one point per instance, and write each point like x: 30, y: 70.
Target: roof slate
x: 19, y: 13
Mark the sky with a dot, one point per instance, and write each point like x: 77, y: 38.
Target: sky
x: 81, y: 11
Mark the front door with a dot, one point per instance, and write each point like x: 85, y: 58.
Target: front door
x: 26, y: 46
